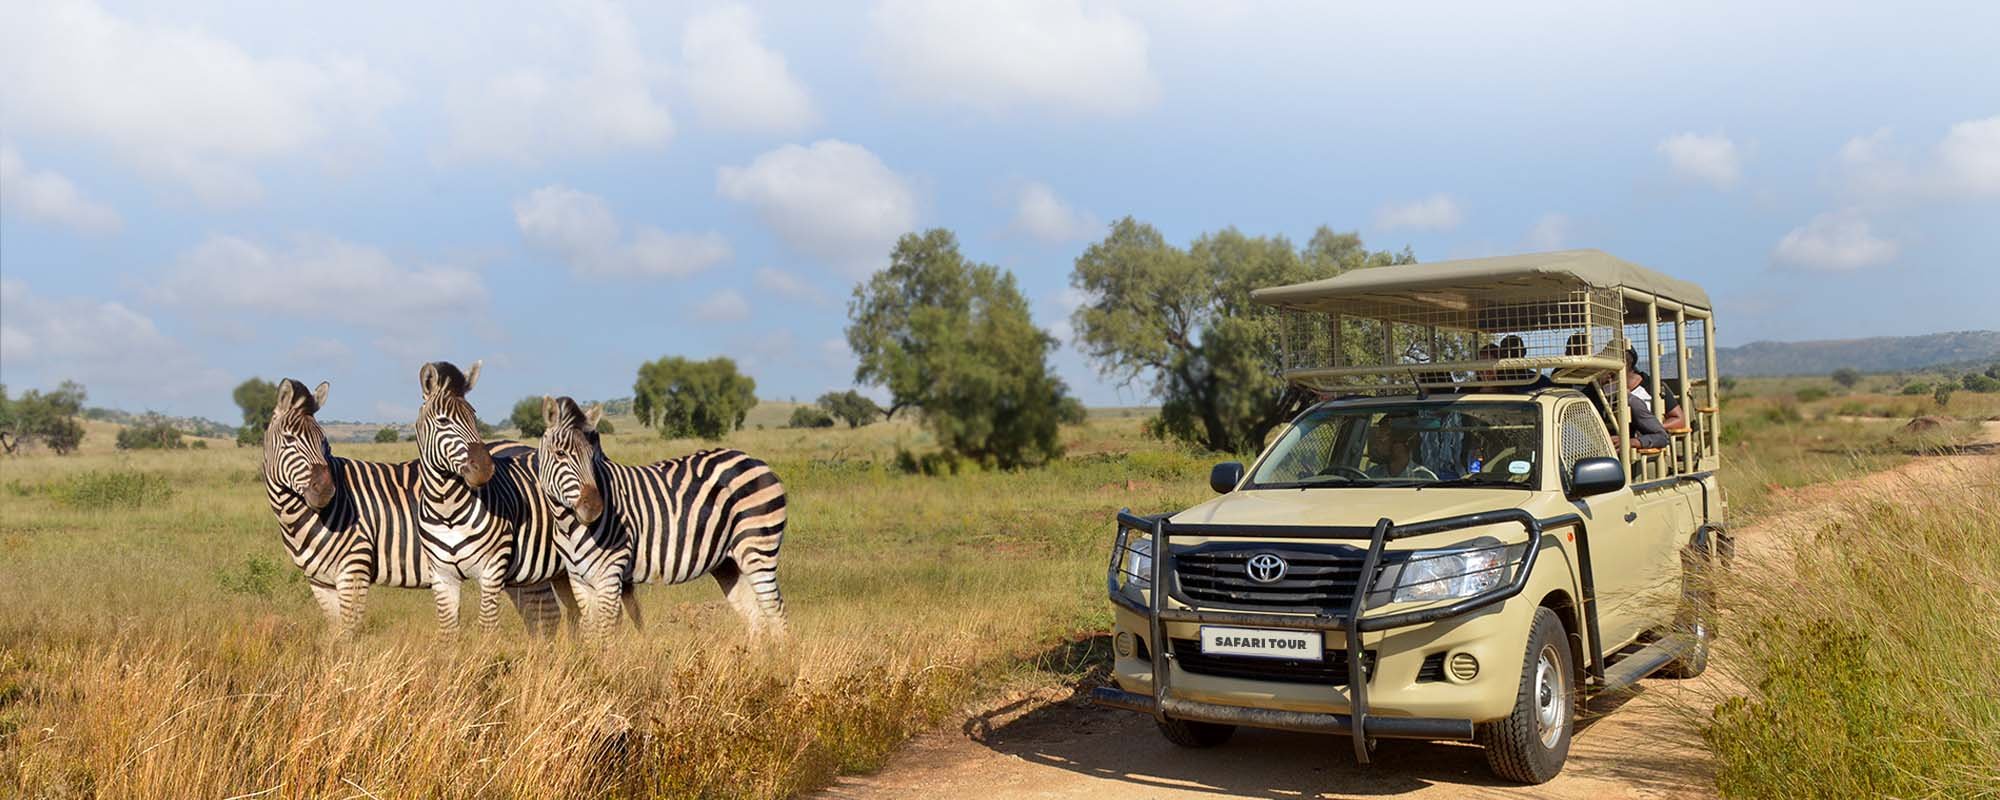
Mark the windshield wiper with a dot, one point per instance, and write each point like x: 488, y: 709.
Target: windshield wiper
x: 1479, y: 480
x: 1314, y: 483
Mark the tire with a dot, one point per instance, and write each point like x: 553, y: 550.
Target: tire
x: 1198, y: 735
x: 1696, y: 618
x: 1530, y: 744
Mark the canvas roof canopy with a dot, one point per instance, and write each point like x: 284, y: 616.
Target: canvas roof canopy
x: 1475, y: 282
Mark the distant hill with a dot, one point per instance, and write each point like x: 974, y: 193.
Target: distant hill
x: 1877, y: 354
x: 198, y: 426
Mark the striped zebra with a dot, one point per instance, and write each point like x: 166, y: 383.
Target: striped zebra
x: 347, y: 524
x: 716, y: 512
x: 480, y: 517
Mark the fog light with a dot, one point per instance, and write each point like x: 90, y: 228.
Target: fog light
x: 1123, y: 644
x: 1462, y: 666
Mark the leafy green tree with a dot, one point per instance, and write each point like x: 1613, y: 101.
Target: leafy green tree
x: 1943, y: 394
x: 679, y: 397
x: 386, y: 435
x: 954, y: 339
x: 851, y: 407
x: 46, y: 417
x: 604, y: 426
x: 257, y: 398
x: 1181, y: 321
x: 1846, y: 377
x: 810, y: 417
x: 527, y: 416
x: 150, y: 432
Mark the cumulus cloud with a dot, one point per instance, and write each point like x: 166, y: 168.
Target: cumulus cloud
x: 580, y: 229
x: 1068, y: 55
x: 1040, y: 214
x: 727, y: 305
x: 1551, y: 232
x: 832, y: 201
x: 118, y: 353
x: 787, y: 285
x: 321, y: 279
x: 590, y: 88
x: 48, y: 196
x: 735, y: 81
x: 1836, y: 242
x: 1710, y: 159
x: 179, y: 104
x: 1439, y: 212
x: 1965, y: 163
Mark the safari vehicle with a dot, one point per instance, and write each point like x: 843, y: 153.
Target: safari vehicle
x: 1449, y: 517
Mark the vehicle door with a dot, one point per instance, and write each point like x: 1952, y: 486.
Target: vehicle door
x: 1619, y: 546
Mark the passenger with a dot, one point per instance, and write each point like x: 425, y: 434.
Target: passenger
x: 1513, y: 347
x: 1488, y: 352
x: 1647, y: 431
x: 1400, y: 463
x: 1579, y: 345
x: 1676, y: 419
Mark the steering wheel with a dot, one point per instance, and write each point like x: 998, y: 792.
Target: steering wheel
x: 1349, y: 472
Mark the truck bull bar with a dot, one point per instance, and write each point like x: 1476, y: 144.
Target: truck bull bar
x: 1358, y: 723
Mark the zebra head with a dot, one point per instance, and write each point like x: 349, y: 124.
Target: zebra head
x: 448, y: 429
x: 567, y: 454
x: 295, y: 450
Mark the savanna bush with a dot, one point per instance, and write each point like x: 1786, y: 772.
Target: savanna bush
x: 94, y: 490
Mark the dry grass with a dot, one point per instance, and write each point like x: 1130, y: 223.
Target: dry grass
x: 165, y: 648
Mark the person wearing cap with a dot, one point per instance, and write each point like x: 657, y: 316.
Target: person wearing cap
x: 1647, y: 432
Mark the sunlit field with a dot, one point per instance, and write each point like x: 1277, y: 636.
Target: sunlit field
x: 155, y: 641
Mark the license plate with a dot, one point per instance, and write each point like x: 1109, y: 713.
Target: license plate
x: 1256, y: 643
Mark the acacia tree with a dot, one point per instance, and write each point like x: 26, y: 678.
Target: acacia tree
x: 680, y: 398
x: 47, y: 417
x: 1181, y: 321
x: 851, y: 407
x: 258, y: 398
x: 954, y: 339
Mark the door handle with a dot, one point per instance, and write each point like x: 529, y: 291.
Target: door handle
x: 1630, y: 516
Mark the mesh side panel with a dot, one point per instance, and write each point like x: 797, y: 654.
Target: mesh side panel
x: 1421, y: 329
x: 1582, y: 435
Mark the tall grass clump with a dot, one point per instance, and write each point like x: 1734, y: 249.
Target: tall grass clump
x: 109, y: 489
x: 1873, y: 664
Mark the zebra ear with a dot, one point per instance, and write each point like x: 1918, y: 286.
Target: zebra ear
x: 472, y: 377
x: 592, y: 415
x: 319, y: 395
x: 428, y: 379
x: 549, y: 408
x: 285, y: 398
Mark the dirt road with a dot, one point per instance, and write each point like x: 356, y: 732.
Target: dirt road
x: 1638, y: 746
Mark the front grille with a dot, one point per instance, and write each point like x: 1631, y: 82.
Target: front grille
x: 1320, y: 579
x: 1329, y: 672
x: 1432, y: 669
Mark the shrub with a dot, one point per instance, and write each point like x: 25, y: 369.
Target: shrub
x: 1942, y: 394
x: 1917, y: 388
x: 1781, y: 414
x: 200, y: 444
x: 386, y: 436
x: 851, y: 407
x: 93, y: 491
x: 1984, y: 384
x: 810, y: 417
x: 527, y: 416
x: 604, y: 425
x: 48, y: 417
x: 1846, y: 377
x: 257, y: 576
x: 1810, y: 394
x: 151, y: 432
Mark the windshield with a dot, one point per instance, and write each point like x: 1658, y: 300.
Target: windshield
x: 1418, y: 444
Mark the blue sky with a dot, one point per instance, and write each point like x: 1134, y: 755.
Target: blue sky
x: 196, y: 193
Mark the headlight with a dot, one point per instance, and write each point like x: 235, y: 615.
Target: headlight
x: 1138, y: 561
x: 1447, y: 574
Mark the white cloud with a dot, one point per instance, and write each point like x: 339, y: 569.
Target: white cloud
x: 117, y: 353
x: 785, y: 284
x: 579, y: 228
x: 589, y: 89
x: 1963, y: 164
x: 1039, y: 213
x: 48, y: 196
x: 735, y: 81
x: 321, y: 279
x: 1551, y: 232
x: 727, y: 305
x: 1070, y: 55
x: 1837, y: 242
x: 832, y: 200
x: 1969, y: 156
x: 1706, y: 159
x: 1439, y: 212
x: 179, y: 104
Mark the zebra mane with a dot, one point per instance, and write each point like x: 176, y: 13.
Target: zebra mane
x: 569, y: 414
x: 449, y: 377
x: 302, y: 395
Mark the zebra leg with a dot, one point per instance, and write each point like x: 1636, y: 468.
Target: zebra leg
x: 353, y: 598
x: 601, y: 614
x: 747, y: 594
x: 759, y: 570
x: 444, y: 588
x: 328, y: 598
x: 629, y: 595
x: 490, y: 588
x: 566, y: 602
x: 537, y: 604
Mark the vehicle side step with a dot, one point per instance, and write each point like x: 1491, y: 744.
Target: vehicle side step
x: 1646, y: 661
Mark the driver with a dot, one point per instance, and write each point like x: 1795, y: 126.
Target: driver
x: 1399, y: 463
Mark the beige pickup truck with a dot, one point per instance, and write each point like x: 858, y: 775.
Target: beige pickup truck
x: 1467, y: 527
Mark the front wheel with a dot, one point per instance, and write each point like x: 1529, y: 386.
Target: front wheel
x: 1696, y: 620
x: 1530, y: 744
x: 1189, y: 733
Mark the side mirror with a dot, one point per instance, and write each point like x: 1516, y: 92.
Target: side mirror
x: 1595, y: 476
x: 1224, y: 476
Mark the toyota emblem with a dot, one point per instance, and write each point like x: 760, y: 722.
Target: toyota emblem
x: 1266, y: 568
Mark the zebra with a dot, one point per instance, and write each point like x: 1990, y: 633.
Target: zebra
x: 347, y: 524
x: 715, y: 512
x: 479, y: 517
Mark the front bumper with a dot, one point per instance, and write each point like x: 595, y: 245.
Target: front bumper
x: 1154, y: 685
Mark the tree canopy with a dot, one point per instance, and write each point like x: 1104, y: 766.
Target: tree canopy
x: 851, y: 407
x: 386, y: 435
x: 257, y: 398
x: 150, y: 432
x: 810, y: 417
x: 1180, y: 321
x: 527, y: 416
x: 45, y: 417
x: 954, y: 338
x: 679, y: 397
